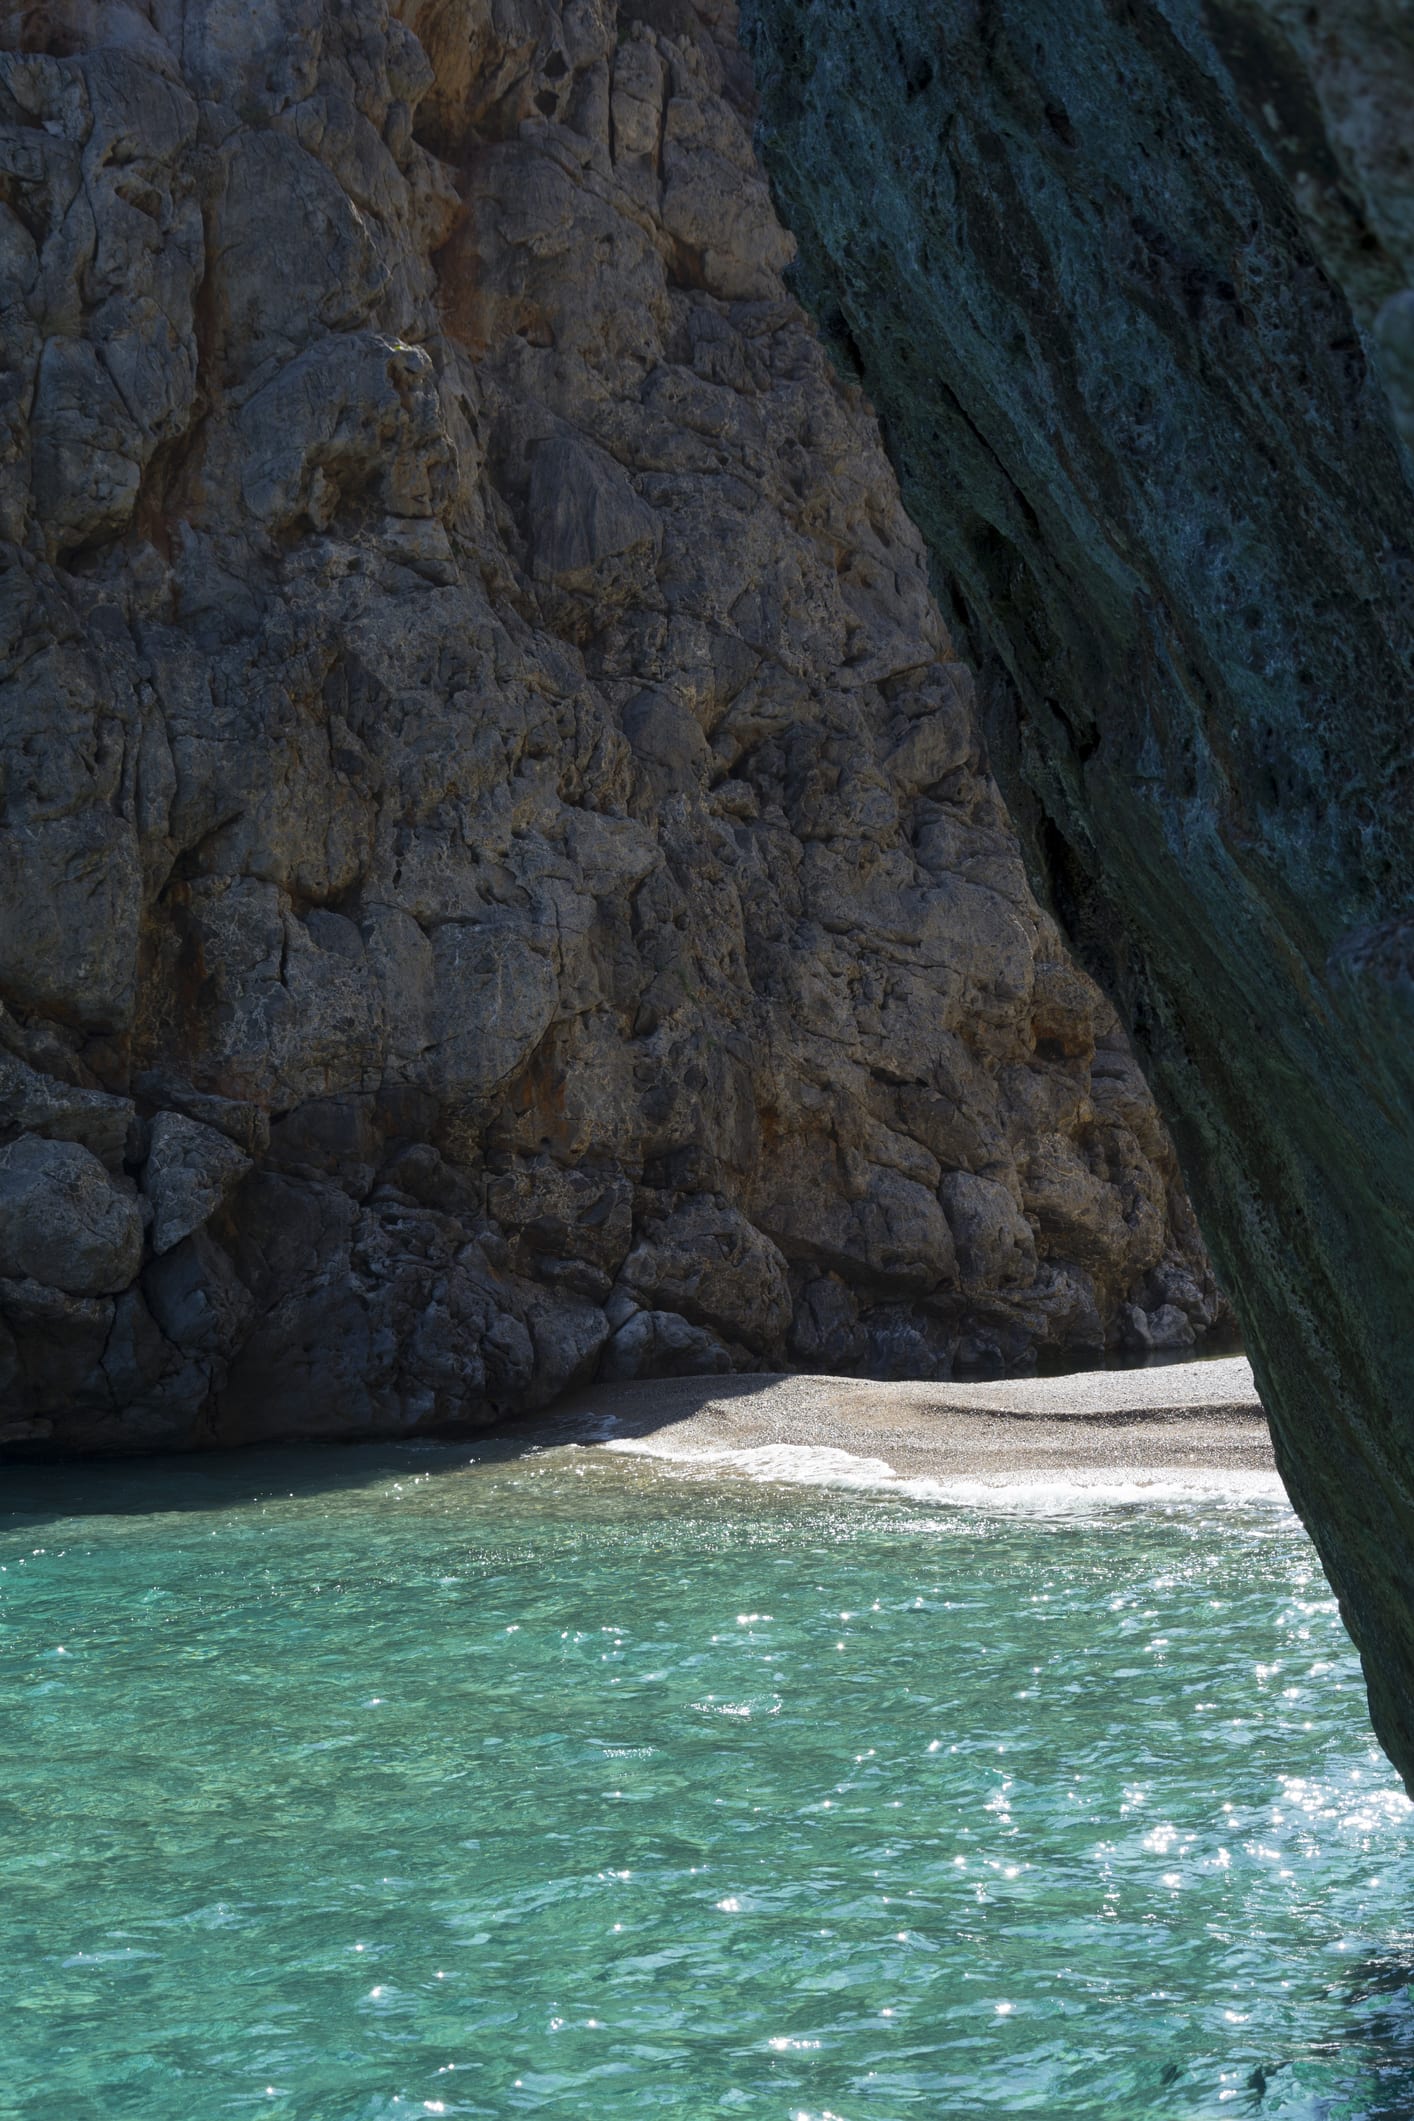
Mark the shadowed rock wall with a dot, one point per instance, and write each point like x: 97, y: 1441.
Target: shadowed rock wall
x: 1089, y: 264
x: 498, y: 879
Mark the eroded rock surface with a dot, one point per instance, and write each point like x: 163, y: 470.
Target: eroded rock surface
x: 498, y: 878
x: 1130, y: 288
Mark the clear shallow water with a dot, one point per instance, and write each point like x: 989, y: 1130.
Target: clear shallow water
x: 576, y: 1786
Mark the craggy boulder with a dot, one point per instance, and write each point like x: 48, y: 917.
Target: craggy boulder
x: 663, y: 1344
x: 63, y: 1221
x: 189, y: 1171
x: 707, y: 1262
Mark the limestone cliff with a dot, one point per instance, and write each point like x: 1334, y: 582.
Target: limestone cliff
x: 498, y: 879
x: 1131, y: 287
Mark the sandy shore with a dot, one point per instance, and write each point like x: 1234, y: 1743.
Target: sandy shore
x: 1198, y: 1422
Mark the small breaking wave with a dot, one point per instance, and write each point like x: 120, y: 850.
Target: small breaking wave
x: 1047, y: 1493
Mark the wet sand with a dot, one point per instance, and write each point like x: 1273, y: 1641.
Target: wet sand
x: 1174, y: 1424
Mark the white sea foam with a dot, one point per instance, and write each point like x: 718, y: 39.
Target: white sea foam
x: 827, y: 1466
x: 799, y: 1464
x: 1051, y: 1492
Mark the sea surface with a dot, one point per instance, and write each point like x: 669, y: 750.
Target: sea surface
x: 373, y: 1783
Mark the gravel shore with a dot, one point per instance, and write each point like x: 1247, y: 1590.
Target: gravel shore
x: 1182, y: 1421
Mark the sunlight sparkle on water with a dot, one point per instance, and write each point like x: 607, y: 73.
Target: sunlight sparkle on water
x: 382, y: 1783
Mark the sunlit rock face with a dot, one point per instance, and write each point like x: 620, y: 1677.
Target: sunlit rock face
x: 499, y: 882
x: 1116, y: 280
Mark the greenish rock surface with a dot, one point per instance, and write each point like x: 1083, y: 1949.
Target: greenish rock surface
x: 1088, y: 264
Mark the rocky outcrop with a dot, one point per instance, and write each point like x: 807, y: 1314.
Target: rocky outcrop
x: 498, y: 876
x: 1130, y: 287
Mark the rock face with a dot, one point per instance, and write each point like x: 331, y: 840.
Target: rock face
x: 498, y: 878
x: 1117, y: 279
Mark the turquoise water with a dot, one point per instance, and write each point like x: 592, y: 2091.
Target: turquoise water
x: 384, y: 1784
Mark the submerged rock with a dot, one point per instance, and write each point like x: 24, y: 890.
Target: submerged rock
x: 1131, y: 290
x: 496, y: 837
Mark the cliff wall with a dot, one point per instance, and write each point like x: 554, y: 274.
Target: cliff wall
x: 498, y: 877
x: 1131, y: 289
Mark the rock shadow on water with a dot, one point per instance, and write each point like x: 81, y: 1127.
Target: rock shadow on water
x: 40, y: 1490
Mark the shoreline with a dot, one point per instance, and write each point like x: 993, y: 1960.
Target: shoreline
x: 1195, y: 1426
